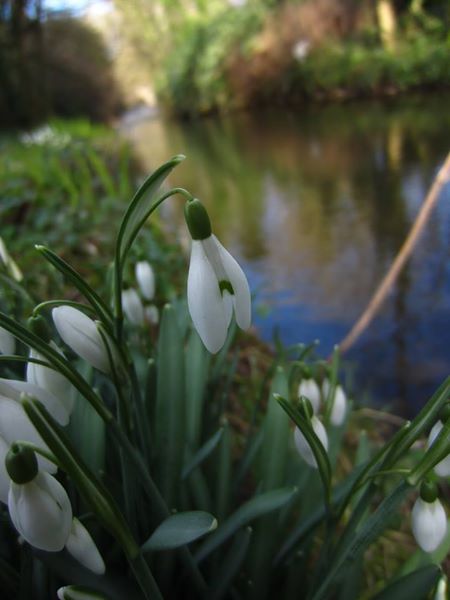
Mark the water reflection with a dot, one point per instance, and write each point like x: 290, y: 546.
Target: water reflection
x: 316, y: 205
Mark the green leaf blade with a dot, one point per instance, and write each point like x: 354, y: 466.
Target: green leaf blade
x: 180, y: 529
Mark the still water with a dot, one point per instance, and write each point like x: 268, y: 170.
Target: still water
x: 315, y: 205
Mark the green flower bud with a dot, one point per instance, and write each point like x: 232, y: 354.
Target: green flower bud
x: 197, y: 220
x: 428, y: 491
x: 38, y: 325
x: 21, y: 464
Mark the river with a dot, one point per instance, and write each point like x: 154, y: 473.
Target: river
x: 315, y: 205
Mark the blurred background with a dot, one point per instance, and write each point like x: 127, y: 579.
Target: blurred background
x: 313, y: 130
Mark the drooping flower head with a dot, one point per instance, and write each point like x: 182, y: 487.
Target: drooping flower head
x: 133, y: 307
x: 310, y: 389
x: 146, y: 279
x: 38, y: 504
x: 80, y: 333
x: 428, y: 519
x: 217, y: 286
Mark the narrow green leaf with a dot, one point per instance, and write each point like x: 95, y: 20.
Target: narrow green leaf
x: 202, y: 454
x: 231, y: 564
x: 254, y: 508
x: 87, y: 431
x: 223, y: 474
x: 141, y: 206
x: 414, y: 586
x: 100, y: 307
x: 180, y: 529
x: 197, y: 365
x: 361, y: 539
x: 273, y: 461
x: 170, y: 406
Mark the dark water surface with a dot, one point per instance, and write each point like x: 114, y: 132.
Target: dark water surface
x: 315, y: 205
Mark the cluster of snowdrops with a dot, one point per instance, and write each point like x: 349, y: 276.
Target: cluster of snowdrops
x: 35, y: 410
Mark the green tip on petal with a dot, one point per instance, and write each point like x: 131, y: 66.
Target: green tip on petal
x: 21, y: 464
x: 428, y: 491
x: 197, y: 220
x: 225, y: 285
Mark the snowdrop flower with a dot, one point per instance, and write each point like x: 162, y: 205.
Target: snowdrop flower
x: 7, y: 342
x: 151, y: 314
x: 429, y: 524
x: 339, y: 409
x: 132, y: 306
x: 50, y: 380
x: 80, y: 333
x: 216, y: 283
x: 146, y: 279
x: 75, y: 592
x: 310, y: 389
x: 301, y: 49
x: 442, y: 468
x: 15, y: 425
x: 38, y: 504
x: 13, y: 389
x: 82, y: 547
x: 304, y: 449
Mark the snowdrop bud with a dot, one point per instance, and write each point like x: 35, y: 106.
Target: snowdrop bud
x: 82, y: 547
x: 146, y: 279
x: 339, y: 407
x: 7, y: 342
x: 15, y: 425
x: 442, y: 468
x: 51, y: 381
x: 80, y: 333
x: 75, y: 592
x: 132, y: 306
x: 429, y: 524
x: 310, y: 389
x: 151, y: 314
x: 325, y: 388
x: 441, y: 589
x: 41, y: 512
x: 304, y: 449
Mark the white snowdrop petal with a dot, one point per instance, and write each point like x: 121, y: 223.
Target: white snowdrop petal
x: 151, y: 314
x: 4, y: 477
x: 7, y: 342
x: 72, y: 592
x: 15, y: 425
x: 132, y: 306
x: 80, y: 333
x: 310, y: 389
x: 205, y: 300
x: 146, y: 279
x: 304, y: 449
x: 442, y: 468
x: 13, y: 388
x: 339, y: 407
x: 429, y: 524
x: 51, y: 380
x: 41, y: 512
x: 82, y: 547
x: 238, y: 280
